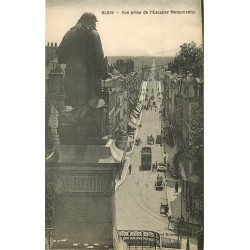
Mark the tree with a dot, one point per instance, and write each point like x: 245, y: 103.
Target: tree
x: 197, y: 140
x: 51, y: 139
x: 51, y: 123
x: 49, y: 199
x: 190, y: 58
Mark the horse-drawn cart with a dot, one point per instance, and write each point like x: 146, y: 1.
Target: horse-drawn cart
x: 137, y: 141
x: 159, y: 183
x: 164, y: 209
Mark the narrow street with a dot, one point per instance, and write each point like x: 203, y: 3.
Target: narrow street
x: 137, y: 201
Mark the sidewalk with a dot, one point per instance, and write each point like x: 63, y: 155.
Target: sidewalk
x: 174, y: 199
x: 176, y: 204
x: 124, y: 173
x: 136, y: 133
x: 142, y: 97
x: 126, y: 164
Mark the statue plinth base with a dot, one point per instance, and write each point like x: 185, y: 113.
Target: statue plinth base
x: 84, y: 187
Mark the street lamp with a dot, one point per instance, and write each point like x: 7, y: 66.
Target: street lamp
x: 178, y: 228
x: 181, y: 196
x: 188, y: 244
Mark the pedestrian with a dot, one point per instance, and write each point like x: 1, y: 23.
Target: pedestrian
x: 169, y: 220
x: 81, y: 51
x: 166, y: 209
x: 156, y: 164
x: 176, y: 187
x: 130, y: 168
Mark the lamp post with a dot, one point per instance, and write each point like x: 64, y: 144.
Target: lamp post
x: 178, y: 228
x: 188, y: 243
x: 181, y: 195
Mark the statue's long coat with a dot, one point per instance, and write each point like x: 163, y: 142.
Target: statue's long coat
x: 81, y: 51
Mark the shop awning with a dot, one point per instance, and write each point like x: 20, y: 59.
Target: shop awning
x: 131, y: 124
x: 133, y: 119
x: 135, y: 113
x: 115, y: 72
x: 138, y: 109
x: 139, y: 105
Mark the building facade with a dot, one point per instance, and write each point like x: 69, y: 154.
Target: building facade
x: 123, y: 66
x: 183, y: 107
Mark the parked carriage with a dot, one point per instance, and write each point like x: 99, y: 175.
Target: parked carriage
x: 137, y: 141
x: 150, y: 140
x: 164, y: 209
x: 159, y: 183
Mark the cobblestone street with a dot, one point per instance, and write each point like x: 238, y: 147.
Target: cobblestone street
x: 137, y: 201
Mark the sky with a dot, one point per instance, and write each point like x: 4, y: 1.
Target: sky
x: 130, y: 34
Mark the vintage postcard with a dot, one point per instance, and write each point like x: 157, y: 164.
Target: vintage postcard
x: 124, y: 123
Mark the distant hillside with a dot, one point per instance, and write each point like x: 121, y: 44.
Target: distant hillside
x: 147, y: 60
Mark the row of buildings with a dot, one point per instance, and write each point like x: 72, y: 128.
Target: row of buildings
x: 123, y: 66
x: 183, y: 111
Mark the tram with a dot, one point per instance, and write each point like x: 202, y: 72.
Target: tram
x: 146, y: 158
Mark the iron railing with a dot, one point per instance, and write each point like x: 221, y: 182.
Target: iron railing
x: 141, y: 238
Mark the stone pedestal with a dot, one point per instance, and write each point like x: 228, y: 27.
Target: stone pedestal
x: 55, y: 85
x: 87, y: 130
x: 84, y: 187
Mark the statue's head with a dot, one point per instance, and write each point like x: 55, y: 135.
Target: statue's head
x: 88, y: 18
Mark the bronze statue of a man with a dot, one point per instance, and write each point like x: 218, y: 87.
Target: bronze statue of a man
x: 81, y: 51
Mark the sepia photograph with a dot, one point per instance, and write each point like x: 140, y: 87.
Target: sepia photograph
x: 111, y: 140
x: 124, y: 124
